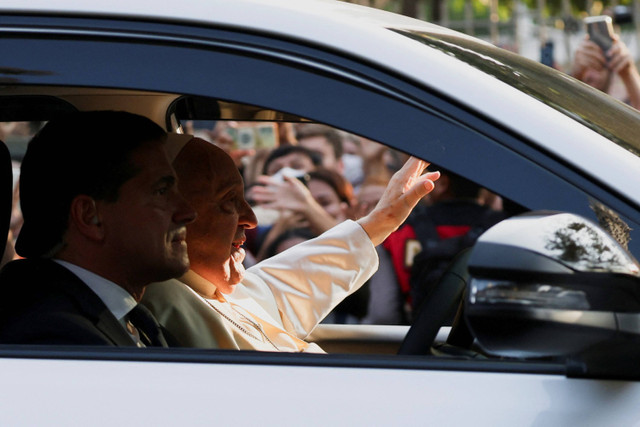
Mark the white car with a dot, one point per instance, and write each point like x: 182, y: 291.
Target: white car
x: 553, y: 343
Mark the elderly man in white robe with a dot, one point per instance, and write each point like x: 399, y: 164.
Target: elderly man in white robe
x: 274, y: 305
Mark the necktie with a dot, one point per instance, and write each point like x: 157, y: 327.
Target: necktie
x: 148, y: 326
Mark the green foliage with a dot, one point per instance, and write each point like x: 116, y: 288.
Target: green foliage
x: 481, y: 8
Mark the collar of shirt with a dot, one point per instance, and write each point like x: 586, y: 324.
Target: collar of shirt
x: 118, y: 301
x: 201, y: 285
x: 243, y: 323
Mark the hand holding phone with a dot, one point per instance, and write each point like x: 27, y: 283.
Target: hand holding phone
x: 600, y: 29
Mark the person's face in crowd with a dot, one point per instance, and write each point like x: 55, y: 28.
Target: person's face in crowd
x: 145, y: 228
x: 326, y: 197
x: 212, y: 183
x: 368, y: 197
x: 320, y: 145
x: 598, y: 78
x: 351, y: 146
x: 296, y: 161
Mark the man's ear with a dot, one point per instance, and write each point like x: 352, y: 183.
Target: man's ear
x: 84, y: 216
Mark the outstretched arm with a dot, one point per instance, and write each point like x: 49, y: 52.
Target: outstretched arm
x: 406, y: 187
x: 621, y: 63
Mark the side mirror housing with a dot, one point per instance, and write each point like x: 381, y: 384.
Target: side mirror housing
x: 549, y: 284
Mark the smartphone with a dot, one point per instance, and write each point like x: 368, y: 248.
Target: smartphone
x: 600, y: 29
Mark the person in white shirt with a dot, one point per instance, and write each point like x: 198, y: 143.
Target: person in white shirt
x: 274, y: 305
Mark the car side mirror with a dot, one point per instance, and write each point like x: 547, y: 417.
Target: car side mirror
x: 548, y: 284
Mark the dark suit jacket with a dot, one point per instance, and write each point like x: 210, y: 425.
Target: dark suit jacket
x: 42, y: 302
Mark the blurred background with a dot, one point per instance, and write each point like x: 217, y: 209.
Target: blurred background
x: 548, y: 31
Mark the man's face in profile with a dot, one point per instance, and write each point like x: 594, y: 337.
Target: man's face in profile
x: 145, y: 229
x: 212, y: 183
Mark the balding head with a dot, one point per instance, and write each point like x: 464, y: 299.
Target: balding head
x: 210, y: 181
x: 201, y: 167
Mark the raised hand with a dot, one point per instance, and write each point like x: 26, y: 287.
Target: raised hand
x: 406, y: 188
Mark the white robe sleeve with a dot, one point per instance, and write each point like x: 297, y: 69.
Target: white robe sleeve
x: 300, y: 286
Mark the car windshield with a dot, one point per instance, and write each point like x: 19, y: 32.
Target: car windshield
x: 612, y: 119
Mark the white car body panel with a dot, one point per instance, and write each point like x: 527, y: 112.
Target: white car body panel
x: 81, y: 393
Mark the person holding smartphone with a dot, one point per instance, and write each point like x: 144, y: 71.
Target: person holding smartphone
x: 599, y: 66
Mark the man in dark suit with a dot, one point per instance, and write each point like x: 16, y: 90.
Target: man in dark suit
x: 102, y: 219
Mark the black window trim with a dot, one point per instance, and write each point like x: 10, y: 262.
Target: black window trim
x: 212, y: 356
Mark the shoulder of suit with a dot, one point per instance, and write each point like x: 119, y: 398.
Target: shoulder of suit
x: 33, y: 276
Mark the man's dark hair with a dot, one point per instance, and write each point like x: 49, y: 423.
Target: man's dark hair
x: 79, y: 153
x: 285, y: 150
x: 331, y: 135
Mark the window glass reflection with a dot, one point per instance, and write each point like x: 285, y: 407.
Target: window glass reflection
x: 569, y: 239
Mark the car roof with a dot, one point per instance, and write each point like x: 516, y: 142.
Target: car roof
x: 330, y: 23
x: 268, y: 15
x: 367, y: 33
